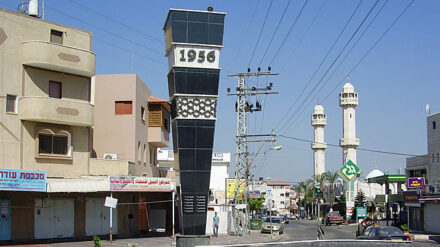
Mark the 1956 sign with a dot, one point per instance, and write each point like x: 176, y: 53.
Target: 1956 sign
x: 194, y: 57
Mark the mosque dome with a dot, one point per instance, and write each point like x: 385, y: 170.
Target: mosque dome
x: 374, y: 173
x: 348, y: 88
x: 318, y: 109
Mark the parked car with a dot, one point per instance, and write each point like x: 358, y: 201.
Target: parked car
x: 273, y: 223
x: 285, y: 219
x: 333, y: 218
x: 384, y: 233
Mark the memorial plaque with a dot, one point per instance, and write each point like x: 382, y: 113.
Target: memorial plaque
x: 193, y: 40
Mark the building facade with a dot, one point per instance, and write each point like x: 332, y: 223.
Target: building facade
x: 276, y: 190
x: 424, y: 206
x: 49, y: 182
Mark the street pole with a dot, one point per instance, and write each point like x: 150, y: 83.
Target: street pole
x: 242, y: 174
x: 111, y: 220
x: 173, y: 195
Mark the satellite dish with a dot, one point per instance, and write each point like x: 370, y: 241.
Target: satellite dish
x: 427, y: 109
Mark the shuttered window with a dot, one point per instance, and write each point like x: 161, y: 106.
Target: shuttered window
x: 154, y: 115
x: 123, y: 107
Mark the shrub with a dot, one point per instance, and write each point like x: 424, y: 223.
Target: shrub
x: 97, y: 241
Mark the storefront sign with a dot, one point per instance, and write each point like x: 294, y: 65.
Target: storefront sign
x: 110, y: 202
x: 22, y: 180
x: 254, y: 194
x: 361, y: 212
x: 414, y: 183
x: 411, y: 196
x: 140, y: 184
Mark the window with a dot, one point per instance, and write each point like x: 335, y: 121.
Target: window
x: 432, y: 156
x: 11, y: 103
x: 55, y: 89
x: 54, y: 143
x: 438, y: 157
x: 281, y: 202
x: 143, y: 114
x: 434, y: 125
x: 56, y: 36
x: 123, y: 107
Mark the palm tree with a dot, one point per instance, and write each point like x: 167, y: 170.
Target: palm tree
x: 331, y: 177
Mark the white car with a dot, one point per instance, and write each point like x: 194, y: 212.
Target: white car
x: 273, y: 224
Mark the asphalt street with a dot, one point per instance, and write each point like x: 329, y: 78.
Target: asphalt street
x: 295, y: 231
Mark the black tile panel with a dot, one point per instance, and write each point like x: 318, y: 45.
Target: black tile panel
x: 187, y: 159
x: 204, y: 159
x: 196, y: 27
x: 193, y: 81
x: 186, y: 137
x: 204, y: 137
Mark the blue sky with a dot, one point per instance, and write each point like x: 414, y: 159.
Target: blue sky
x: 394, y: 82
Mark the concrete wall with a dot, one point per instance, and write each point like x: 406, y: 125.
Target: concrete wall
x: 101, y: 167
x: 434, y: 148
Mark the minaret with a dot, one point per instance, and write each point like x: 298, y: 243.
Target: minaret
x: 348, y: 100
x: 319, y: 120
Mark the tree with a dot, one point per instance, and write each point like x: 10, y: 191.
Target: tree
x: 256, y: 204
x: 340, y: 205
x: 331, y: 177
x: 359, y: 201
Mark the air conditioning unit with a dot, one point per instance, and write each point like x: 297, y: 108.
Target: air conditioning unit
x: 110, y: 156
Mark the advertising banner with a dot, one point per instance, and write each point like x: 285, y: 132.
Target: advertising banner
x: 140, y: 184
x: 254, y: 194
x: 411, y: 196
x: 22, y: 180
x: 230, y: 187
x: 361, y: 212
x: 414, y: 183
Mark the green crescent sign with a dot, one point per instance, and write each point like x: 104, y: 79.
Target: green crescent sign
x: 350, y: 170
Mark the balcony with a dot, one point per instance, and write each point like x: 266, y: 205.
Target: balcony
x: 57, y: 111
x: 318, y: 145
x: 348, y: 101
x: 52, y: 56
x: 158, y: 136
x: 319, y: 122
x: 349, y: 142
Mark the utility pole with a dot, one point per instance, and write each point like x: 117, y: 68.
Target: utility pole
x: 242, y: 174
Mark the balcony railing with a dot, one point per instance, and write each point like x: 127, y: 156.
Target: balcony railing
x: 52, y: 56
x: 58, y: 111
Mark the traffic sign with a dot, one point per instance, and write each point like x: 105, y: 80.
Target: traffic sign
x: 350, y: 170
x: 361, y: 212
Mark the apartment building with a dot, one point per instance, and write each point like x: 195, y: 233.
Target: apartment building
x: 50, y: 187
x: 424, y: 202
x: 276, y: 190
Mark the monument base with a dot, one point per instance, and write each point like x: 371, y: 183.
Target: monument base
x: 191, y: 240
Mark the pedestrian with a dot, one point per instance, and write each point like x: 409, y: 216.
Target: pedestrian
x: 215, y: 222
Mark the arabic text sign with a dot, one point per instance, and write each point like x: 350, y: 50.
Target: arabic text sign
x: 140, y: 184
x: 254, y: 194
x: 350, y: 170
x: 416, y: 182
x: 22, y: 180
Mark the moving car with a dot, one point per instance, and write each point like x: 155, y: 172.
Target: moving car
x: 384, y: 233
x: 333, y: 218
x: 273, y: 223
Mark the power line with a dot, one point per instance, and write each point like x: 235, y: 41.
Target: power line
x: 117, y: 21
x: 318, y: 68
x: 261, y: 31
x: 104, y: 30
x: 307, y: 98
x: 304, y: 34
x: 361, y: 149
x: 288, y: 33
x: 273, y: 36
x: 246, y: 33
x: 373, y: 46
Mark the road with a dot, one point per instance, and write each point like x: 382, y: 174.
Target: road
x: 295, y: 231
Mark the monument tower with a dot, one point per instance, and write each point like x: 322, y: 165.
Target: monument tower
x: 193, y: 40
x: 319, y: 120
x: 348, y: 100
